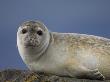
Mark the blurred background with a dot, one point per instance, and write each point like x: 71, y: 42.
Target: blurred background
x: 80, y: 16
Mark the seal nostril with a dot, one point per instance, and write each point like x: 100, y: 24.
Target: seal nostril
x: 24, y: 31
x: 40, y: 32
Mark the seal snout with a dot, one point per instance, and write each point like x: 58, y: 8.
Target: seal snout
x: 31, y: 39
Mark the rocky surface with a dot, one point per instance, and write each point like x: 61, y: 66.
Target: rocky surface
x: 14, y: 75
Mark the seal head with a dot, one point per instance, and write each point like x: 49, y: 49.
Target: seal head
x: 33, y: 35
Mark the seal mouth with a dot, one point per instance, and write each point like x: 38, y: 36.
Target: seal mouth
x: 28, y: 44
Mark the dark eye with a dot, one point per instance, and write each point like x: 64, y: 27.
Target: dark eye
x: 24, y: 31
x: 40, y: 32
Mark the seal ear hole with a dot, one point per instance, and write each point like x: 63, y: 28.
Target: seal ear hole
x: 24, y: 31
x: 39, y: 32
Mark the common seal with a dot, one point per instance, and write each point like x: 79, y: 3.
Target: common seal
x: 63, y: 54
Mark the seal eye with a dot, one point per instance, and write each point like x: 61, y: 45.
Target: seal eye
x: 24, y: 31
x: 40, y: 32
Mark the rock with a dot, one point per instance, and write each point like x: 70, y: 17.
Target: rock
x: 14, y: 75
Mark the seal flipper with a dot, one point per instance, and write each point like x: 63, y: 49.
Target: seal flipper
x: 95, y: 75
x: 82, y: 72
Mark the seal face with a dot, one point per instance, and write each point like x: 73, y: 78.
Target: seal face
x: 32, y: 34
x: 64, y: 54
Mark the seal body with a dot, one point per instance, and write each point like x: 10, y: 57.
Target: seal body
x: 65, y: 54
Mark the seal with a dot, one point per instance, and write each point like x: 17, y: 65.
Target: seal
x: 64, y: 54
